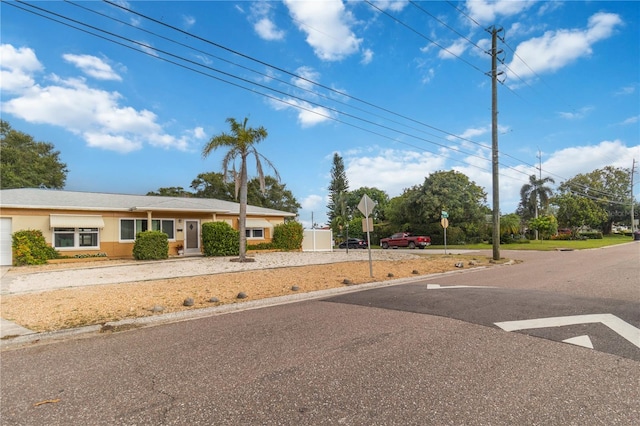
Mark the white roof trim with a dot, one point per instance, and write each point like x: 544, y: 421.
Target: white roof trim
x: 75, y: 221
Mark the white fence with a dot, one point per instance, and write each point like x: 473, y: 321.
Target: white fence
x: 317, y: 240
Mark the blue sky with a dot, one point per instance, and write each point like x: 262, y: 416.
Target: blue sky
x: 398, y: 88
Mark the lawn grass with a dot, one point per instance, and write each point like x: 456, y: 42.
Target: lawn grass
x: 547, y: 245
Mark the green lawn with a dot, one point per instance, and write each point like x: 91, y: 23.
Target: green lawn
x: 608, y: 240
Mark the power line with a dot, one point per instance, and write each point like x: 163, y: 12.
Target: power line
x: 295, y: 105
x: 259, y: 85
x: 423, y: 36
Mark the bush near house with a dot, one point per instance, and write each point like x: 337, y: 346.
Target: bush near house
x: 151, y: 245
x: 30, y: 248
x: 288, y: 236
x: 220, y: 239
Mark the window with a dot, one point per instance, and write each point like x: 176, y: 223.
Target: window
x: 74, y: 238
x: 130, y: 227
x: 255, y: 233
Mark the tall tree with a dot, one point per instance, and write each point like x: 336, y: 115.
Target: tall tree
x: 575, y: 211
x: 25, y: 163
x: 338, y: 188
x: 213, y: 185
x: 609, y: 188
x: 241, y: 143
x: 275, y: 195
x: 535, y: 196
x: 451, y: 191
x: 380, y: 197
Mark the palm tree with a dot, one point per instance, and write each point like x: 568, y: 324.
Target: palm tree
x: 534, y: 195
x: 241, y: 143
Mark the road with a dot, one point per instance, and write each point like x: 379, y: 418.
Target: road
x: 413, y: 354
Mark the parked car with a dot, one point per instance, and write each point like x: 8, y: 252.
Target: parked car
x: 405, y: 239
x: 354, y: 243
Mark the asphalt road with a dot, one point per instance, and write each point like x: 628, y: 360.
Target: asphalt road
x: 412, y: 354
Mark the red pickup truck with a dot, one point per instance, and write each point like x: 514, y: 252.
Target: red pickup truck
x: 405, y: 239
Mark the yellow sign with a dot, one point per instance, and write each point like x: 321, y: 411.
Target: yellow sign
x: 444, y: 222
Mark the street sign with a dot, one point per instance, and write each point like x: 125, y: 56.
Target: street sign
x: 444, y: 222
x: 444, y: 214
x: 366, y: 205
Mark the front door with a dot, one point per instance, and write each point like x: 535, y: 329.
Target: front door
x: 192, y: 236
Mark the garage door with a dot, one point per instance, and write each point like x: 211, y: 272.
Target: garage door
x: 5, y: 241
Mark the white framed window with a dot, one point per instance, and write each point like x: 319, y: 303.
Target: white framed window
x: 76, y: 238
x: 129, y: 228
x: 255, y: 233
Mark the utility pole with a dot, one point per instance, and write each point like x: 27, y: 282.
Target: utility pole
x: 633, y: 218
x: 494, y: 142
x: 537, y: 189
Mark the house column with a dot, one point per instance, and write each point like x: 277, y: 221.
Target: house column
x: 149, y: 222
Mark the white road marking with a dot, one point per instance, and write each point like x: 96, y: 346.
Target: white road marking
x: 583, y: 341
x: 623, y: 328
x: 439, y: 287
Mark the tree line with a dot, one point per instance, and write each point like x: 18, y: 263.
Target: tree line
x: 594, y: 200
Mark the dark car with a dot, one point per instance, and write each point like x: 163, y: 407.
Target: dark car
x: 354, y: 243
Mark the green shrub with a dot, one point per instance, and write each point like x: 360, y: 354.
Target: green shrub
x: 592, y: 235
x: 261, y: 246
x: 151, y: 245
x: 30, y: 248
x: 220, y: 239
x: 288, y: 236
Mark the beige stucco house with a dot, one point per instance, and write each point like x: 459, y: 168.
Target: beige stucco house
x: 90, y: 223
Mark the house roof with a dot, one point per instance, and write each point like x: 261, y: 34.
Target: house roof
x: 35, y: 198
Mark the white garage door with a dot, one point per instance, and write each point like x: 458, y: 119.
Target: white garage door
x: 5, y: 241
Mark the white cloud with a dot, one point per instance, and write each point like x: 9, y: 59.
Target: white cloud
x: 585, y: 159
x: 487, y: 12
x: 367, y: 56
x: 631, y: 120
x: 263, y: 23
x: 456, y: 49
x: 313, y: 202
x: 92, y: 66
x: 326, y: 24
x: 267, y: 30
x: 308, y: 115
x: 17, y: 67
x: 627, y: 90
x: 576, y: 115
x: 198, y: 133
x: 393, y: 5
x: 95, y: 115
x: 188, y: 21
x: 557, y: 49
x: 308, y: 74
x: 391, y: 170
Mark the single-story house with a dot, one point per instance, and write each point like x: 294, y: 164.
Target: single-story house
x: 90, y: 223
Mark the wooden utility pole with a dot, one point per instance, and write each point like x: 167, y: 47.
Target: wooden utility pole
x: 633, y: 168
x: 494, y: 142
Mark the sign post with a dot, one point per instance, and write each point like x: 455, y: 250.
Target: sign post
x: 444, y: 221
x: 366, y: 206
